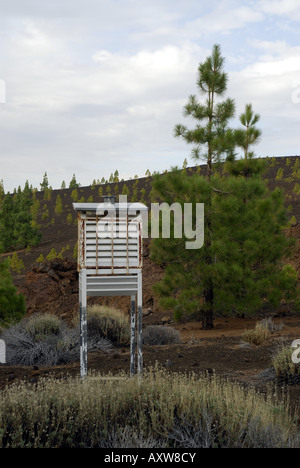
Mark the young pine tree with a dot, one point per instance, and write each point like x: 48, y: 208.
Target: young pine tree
x: 45, y: 184
x: 240, y: 268
x: 212, y: 141
x: 211, y: 138
x: 249, y: 135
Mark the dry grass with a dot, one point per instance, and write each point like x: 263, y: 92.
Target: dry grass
x: 258, y: 336
x: 162, y: 410
x: 283, y: 363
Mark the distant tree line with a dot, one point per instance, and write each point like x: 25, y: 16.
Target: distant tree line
x: 17, y: 227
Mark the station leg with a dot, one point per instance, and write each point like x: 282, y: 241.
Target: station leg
x: 132, y: 334
x: 83, y: 323
x: 140, y: 325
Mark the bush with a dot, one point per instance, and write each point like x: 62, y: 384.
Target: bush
x: 40, y: 326
x: 257, y: 336
x: 45, y: 340
x: 109, y: 323
x: 283, y: 364
x: 163, y: 409
x: 160, y: 335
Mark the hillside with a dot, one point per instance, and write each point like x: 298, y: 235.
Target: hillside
x: 54, y: 288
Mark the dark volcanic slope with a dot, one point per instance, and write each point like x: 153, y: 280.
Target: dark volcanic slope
x: 44, y: 292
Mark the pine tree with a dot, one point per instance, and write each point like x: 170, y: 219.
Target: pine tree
x: 12, y: 305
x: 45, y: 184
x: 240, y: 266
x: 247, y: 247
x: 69, y: 219
x: 134, y: 197
x: 250, y: 135
x: 2, y: 192
x: 116, y: 177
x: 73, y: 184
x: 16, y: 264
x: 7, y: 232
x: 35, y: 207
x: 58, y: 205
x: 125, y: 190
x: 25, y: 233
x: 74, y: 195
x: 52, y: 255
x: 212, y: 139
x: 48, y: 193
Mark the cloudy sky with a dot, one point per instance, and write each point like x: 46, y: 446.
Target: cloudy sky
x: 91, y: 86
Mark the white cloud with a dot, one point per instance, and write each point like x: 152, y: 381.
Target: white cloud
x: 271, y: 85
x: 98, y: 85
x: 288, y: 8
x: 225, y: 18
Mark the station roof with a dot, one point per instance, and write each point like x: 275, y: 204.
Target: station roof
x: 94, y: 207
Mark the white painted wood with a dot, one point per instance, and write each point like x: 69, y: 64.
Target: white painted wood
x: 110, y: 264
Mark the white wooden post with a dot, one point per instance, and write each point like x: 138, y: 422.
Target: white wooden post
x: 132, y: 335
x: 140, y: 324
x: 2, y: 352
x: 83, y: 322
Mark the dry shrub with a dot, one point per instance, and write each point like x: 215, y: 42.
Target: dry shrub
x: 45, y: 340
x: 283, y: 363
x: 161, y: 410
x: 155, y: 335
x: 257, y: 336
x: 39, y: 326
x: 108, y: 323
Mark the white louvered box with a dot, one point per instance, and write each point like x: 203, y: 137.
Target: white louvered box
x: 110, y: 237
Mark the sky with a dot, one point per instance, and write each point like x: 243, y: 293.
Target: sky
x: 88, y: 87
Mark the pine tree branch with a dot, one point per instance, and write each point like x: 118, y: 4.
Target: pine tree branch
x: 220, y: 191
